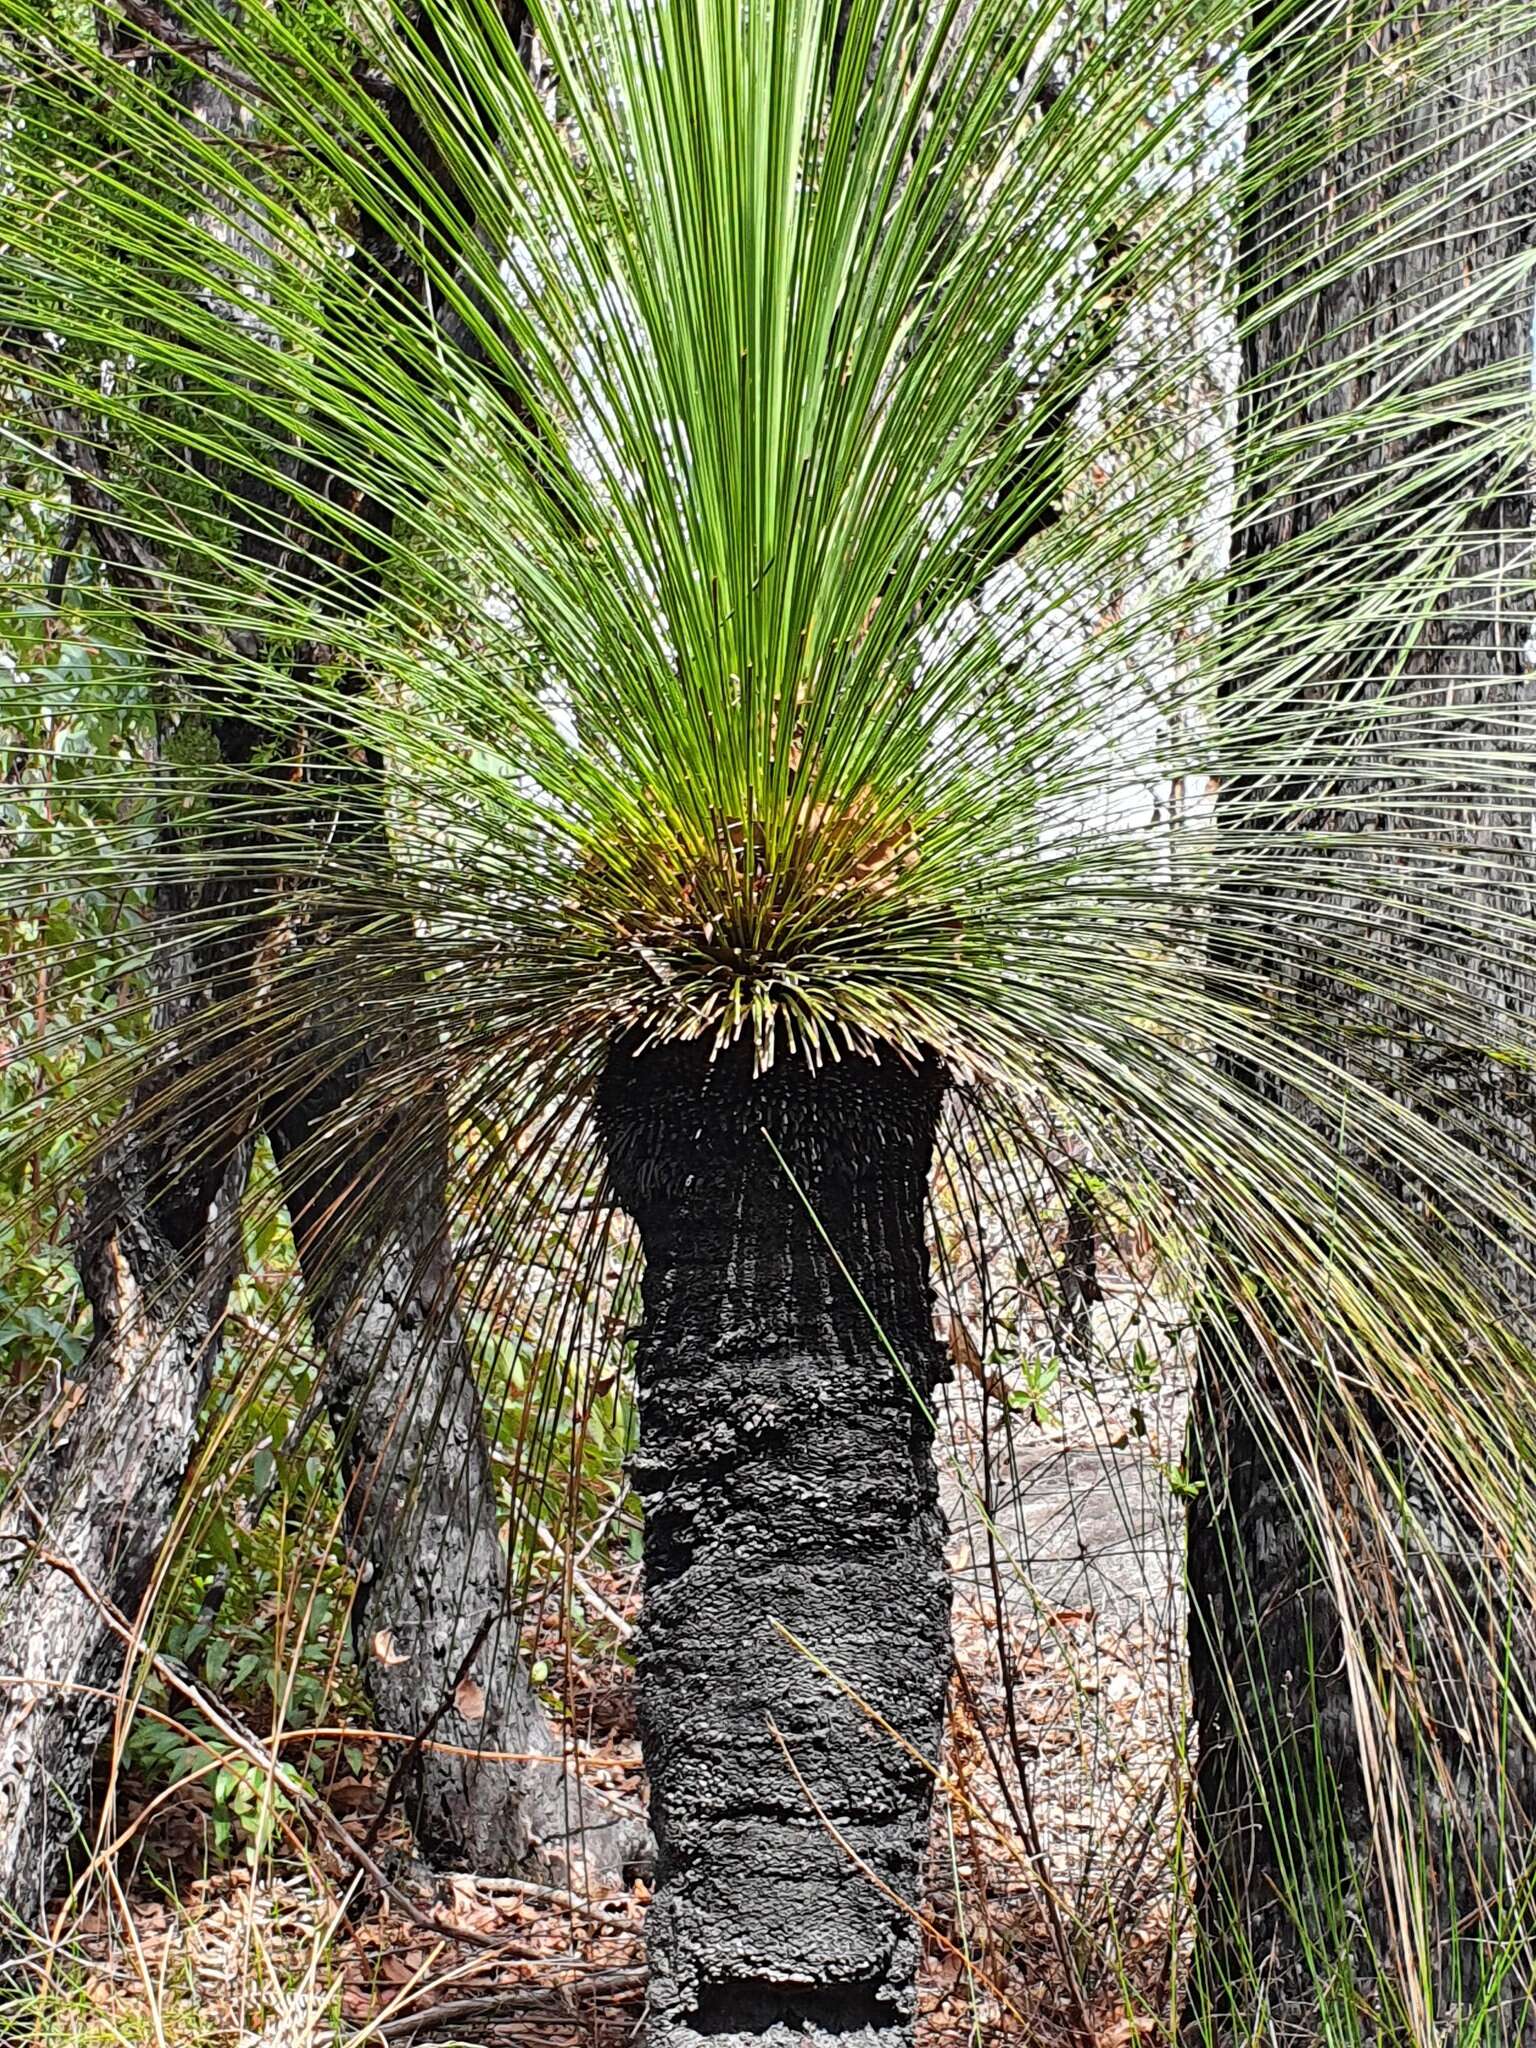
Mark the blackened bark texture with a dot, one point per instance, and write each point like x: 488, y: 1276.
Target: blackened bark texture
x: 787, y: 1477
x: 1078, y: 1276
x: 1291, y: 1826
x: 83, y: 1519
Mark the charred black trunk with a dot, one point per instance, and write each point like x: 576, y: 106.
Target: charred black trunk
x: 796, y: 1626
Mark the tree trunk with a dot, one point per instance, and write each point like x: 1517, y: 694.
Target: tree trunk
x: 83, y: 1522
x: 436, y: 1634
x: 436, y: 1637
x: 791, y: 1521
x: 1304, y: 1929
x: 398, y: 1387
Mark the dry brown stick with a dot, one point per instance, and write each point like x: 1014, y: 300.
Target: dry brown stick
x: 597, y: 1910
x: 588, y: 1592
x: 509, y: 2001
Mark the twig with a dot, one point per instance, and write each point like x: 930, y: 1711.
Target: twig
x: 589, y: 1593
x: 598, y: 1910
x: 510, y: 2001
x: 177, y: 42
x: 609, y: 1516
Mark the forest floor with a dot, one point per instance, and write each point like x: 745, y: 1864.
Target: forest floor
x: 1052, y: 1911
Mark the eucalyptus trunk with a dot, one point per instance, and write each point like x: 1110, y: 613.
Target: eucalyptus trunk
x: 88, y: 1505
x: 483, y: 1781
x: 794, y: 1648
x: 484, y: 1784
x: 1326, y: 1909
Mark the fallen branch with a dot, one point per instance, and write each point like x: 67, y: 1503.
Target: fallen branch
x: 517, y: 1998
x: 598, y: 1910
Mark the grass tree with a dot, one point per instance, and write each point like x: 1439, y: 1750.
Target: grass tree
x: 783, y: 599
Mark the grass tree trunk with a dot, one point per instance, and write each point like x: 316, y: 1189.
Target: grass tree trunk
x: 794, y: 1649
x: 83, y: 1520
x: 1326, y: 1912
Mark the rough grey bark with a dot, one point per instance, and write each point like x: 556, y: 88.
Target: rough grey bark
x: 82, y: 1521
x: 789, y: 1489
x: 435, y: 1630
x: 1285, y: 1802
